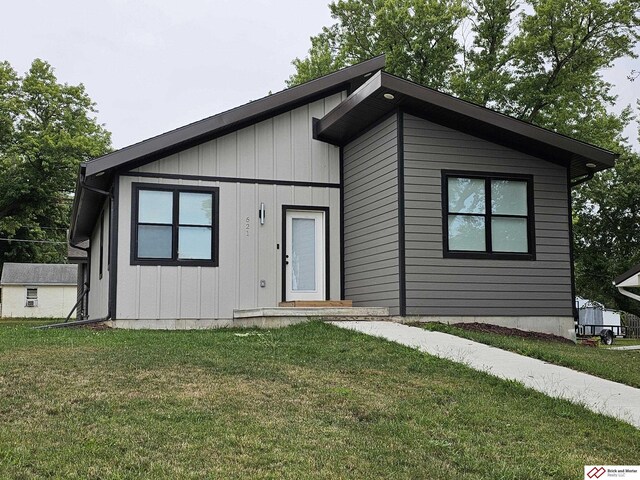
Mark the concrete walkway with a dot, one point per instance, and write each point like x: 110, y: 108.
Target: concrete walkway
x: 626, y: 347
x: 596, y: 394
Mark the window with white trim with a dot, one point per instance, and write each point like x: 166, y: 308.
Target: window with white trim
x: 32, y: 297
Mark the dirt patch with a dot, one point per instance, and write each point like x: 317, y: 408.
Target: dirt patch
x: 514, y: 332
x: 98, y: 326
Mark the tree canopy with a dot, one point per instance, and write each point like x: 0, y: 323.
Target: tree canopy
x: 46, y: 130
x: 537, y: 60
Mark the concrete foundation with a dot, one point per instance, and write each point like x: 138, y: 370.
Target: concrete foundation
x: 204, y: 323
x: 276, y: 317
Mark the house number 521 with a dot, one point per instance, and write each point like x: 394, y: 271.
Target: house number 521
x: 247, y: 226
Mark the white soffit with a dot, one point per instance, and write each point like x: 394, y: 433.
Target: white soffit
x: 632, y: 281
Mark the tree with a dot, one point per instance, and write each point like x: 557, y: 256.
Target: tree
x: 417, y: 36
x: 606, y: 228
x: 46, y: 130
x: 537, y: 60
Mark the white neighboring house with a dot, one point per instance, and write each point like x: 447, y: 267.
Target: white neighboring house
x: 38, y: 290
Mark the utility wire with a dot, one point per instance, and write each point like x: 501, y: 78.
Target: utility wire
x: 30, y: 241
x: 43, y: 228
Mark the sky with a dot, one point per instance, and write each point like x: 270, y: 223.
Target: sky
x: 152, y: 66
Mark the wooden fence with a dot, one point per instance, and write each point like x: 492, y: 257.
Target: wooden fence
x: 632, y: 322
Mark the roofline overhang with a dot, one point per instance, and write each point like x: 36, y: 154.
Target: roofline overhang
x: 387, y: 83
x: 97, y: 174
x: 621, y: 279
x: 86, y: 195
x: 205, y: 129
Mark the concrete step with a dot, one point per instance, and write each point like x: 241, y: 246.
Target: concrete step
x: 316, y: 303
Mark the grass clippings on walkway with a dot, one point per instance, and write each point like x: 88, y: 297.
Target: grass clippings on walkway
x: 309, y: 401
x: 618, y: 366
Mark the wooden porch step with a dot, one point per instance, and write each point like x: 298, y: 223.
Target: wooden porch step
x: 316, y: 303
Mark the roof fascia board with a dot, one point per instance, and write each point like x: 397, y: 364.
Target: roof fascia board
x: 86, y: 199
x: 635, y: 270
x: 633, y: 281
x: 383, y: 80
x: 498, y: 119
x: 369, y: 88
x: 205, y: 128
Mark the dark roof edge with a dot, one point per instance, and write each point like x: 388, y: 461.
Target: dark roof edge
x: 627, y: 275
x: 468, y: 109
x: 229, y: 118
x: 596, y: 153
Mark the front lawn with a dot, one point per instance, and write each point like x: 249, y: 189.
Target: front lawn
x: 624, y: 342
x: 309, y: 401
x: 619, y: 366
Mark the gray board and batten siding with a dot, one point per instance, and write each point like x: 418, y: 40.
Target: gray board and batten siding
x: 276, y: 162
x: 370, y: 222
x: 438, y: 286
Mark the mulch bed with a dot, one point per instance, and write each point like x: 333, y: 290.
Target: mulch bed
x: 514, y: 332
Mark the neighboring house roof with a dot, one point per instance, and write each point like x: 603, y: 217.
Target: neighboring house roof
x: 630, y: 278
x: 38, y: 274
x: 366, y: 104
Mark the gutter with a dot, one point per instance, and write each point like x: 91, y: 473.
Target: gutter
x: 82, y: 185
x: 86, y: 186
x: 627, y: 293
x: 581, y: 180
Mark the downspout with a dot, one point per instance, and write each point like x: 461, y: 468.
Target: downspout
x: 105, y: 193
x: 572, y: 184
x: 88, y: 269
x: 83, y: 185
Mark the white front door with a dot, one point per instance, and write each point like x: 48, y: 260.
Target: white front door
x: 305, y: 261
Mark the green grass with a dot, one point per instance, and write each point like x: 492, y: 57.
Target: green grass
x: 620, y: 342
x: 309, y: 401
x: 30, y: 322
x: 619, y: 366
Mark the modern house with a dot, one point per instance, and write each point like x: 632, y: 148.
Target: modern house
x: 38, y: 290
x: 358, y: 185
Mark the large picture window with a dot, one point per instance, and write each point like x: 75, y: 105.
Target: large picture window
x: 488, y: 216
x: 174, y: 225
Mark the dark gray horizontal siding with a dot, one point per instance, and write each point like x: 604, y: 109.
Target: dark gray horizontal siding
x: 370, y: 208
x: 451, y: 287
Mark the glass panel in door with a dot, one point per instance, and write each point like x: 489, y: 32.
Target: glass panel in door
x: 303, y: 254
x: 305, y: 262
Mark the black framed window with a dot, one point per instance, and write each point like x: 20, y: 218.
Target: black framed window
x: 488, y: 216
x: 174, y: 225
